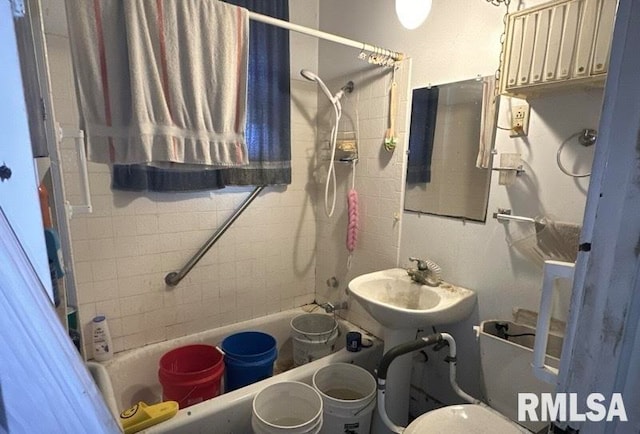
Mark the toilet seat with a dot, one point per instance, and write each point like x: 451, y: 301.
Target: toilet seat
x: 464, y: 419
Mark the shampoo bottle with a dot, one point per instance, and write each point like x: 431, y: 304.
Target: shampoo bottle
x: 102, y: 346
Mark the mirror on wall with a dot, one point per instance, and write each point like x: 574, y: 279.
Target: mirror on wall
x: 444, y: 139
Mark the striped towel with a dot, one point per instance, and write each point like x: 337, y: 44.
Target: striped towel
x: 161, y: 81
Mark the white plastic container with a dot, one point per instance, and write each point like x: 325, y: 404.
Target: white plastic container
x: 348, y: 397
x: 314, y: 336
x: 102, y: 345
x: 289, y: 407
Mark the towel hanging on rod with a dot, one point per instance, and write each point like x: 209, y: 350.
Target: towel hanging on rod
x: 158, y: 84
x: 541, y: 238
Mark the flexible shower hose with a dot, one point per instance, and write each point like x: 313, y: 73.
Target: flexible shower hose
x: 331, y: 172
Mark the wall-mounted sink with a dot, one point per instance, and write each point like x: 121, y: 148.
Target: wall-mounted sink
x: 402, y: 306
x: 396, y: 301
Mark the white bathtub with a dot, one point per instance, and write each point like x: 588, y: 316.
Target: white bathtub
x: 134, y: 375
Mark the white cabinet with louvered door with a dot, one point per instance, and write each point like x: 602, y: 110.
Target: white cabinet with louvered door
x: 557, y: 44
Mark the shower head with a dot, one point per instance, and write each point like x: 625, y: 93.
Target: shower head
x: 348, y: 88
x: 337, y: 107
x: 309, y: 75
x: 313, y: 77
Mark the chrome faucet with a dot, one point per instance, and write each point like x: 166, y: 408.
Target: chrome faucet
x: 426, y: 273
x: 331, y: 307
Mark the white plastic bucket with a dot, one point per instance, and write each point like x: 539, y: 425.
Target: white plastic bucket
x: 348, y: 396
x: 314, y: 336
x: 289, y: 407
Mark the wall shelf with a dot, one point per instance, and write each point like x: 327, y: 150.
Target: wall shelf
x: 559, y: 44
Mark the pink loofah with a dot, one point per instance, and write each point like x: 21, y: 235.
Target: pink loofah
x: 352, y: 229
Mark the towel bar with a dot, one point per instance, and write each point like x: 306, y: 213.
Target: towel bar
x: 504, y: 215
x: 78, y: 138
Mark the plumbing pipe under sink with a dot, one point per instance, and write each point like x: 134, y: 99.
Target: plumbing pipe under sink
x: 409, y: 347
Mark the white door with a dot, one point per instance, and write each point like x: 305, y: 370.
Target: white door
x: 601, y: 352
x: 18, y: 193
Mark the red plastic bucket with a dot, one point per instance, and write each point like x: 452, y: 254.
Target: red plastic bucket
x: 191, y: 374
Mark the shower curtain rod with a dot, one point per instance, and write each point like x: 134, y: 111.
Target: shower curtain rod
x: 324, y: 35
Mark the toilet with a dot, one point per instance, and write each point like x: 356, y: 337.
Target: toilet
x: 506, y: 366
x: 465, y: 418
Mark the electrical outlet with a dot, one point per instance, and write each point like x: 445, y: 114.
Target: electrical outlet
x: 520, y: 120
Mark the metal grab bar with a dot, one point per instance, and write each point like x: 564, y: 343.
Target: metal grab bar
x: 504, y: 215
x: 516, y: 218
x: 173, y: 278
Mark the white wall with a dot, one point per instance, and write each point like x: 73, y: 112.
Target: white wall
x: 460, y: 40
x: 263, y: 264
x: 451, y: 28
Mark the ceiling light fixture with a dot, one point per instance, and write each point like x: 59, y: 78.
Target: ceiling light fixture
x: 412, y: 13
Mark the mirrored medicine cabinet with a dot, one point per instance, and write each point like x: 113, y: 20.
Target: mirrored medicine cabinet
x: 442, y: 177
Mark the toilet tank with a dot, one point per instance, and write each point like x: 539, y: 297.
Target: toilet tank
x: 506, y: 366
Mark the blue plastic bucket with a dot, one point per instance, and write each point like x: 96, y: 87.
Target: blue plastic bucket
x: 248, y: 358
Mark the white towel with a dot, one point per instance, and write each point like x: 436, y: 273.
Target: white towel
x: 162, y: 80
x: 487, y: 123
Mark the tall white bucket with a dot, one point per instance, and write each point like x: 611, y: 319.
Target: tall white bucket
x: 314, y: 336
x: 289, y: 407
x: 349, y: 398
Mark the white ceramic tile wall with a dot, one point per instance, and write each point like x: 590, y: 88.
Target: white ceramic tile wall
x: 264, y: 263
x: 379, y: 181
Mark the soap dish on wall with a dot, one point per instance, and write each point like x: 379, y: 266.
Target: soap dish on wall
x: 510, y: 167
x: 346, y: 147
